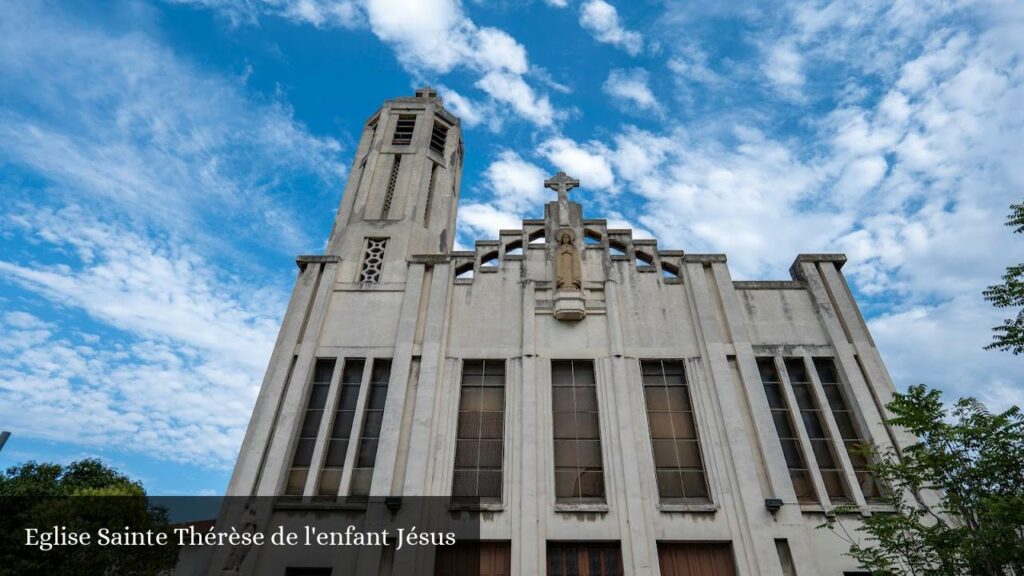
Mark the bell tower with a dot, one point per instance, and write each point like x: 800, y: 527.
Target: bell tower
x: 402, y: 192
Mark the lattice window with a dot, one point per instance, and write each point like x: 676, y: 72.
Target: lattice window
x: 373, y: 260
x: 677, y: 456
x: 579, y: 469
x: 389, y: 194
x: 584, y: 559
x: 438, y: 137
x: 403, y: 130
x: 479, y: 449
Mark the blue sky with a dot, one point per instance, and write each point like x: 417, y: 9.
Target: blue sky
x: 161, y: 164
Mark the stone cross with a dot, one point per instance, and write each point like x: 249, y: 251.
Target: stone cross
x: 562, y: 183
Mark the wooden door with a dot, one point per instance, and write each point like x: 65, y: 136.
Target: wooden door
x: 584, y: 559
x: 696, y: 559
x: 474, y: 559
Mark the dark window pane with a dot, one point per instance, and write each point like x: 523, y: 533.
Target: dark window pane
x: 833, y: 484
x: 492, y: 425
x: 661, y: 425
x: 766, y: 366
x: 361, y: 480
x: 304, y: 452
x: 812, y: 424
x: 694, y: 484
x: 590, y: 453
x: 592, y: 484
x: 566, y: 453
x: 689, y: 453
x: 826, y: 369
x: 467, y: 453
x: 797, y: 370
x: 367, y: 454
x: 657, y: 399
x: 823, y: 453
x: 586, y: 399
x: 587, y: 425
x: 323, y: 370
x: 844, y: 422
x: 464, y: 483
x: 492, y: 399
x: 804, y: 399
x: 835, y: 396
x: 470, y: 401
x: 782, y: 426
x: 665, y: 454
x: 311, y: 423
x: 336, y: 453
x: 670, y: 483
x: 343, y: 424
x: 679, y: 399
x: 566, y: 483
x: 774, y: 395
x: 353, y: 373
x: 378, y: 395
x: 349, y: 396
x: 330, y: 479
x: 296, y: 481
x: 318, y: 396
x: 490, y: 453
x: 489, y: 484
x: 802, y: 485
x: 469, y: 425
x: 371, y: 427
x: 562, y: 400
x: 791, y: 450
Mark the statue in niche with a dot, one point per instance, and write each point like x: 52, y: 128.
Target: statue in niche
x: 567, y: 262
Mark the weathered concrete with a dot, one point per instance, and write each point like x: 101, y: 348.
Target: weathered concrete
x: 642, y: 303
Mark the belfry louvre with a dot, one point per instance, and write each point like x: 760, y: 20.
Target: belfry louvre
x: 605, y: 405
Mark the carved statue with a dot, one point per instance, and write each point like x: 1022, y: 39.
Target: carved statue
x: 567, y: 262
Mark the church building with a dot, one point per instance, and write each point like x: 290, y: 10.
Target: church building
x: 606, y: 405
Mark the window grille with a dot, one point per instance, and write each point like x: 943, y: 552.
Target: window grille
x: 389, y: 194
x: 438, y: 137
x: 584, y: 559
x: 579, y: 470
x: 677, y: 455
x: 479, y: 450
x: 404, y: 129
x: 784, y: 427
x: 366, y: 457
x: 341, y: 427
x: 373, y: 260
x: 323, y: 370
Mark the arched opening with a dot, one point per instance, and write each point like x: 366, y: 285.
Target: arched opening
x: 537, y: 237
x: 489, y: 260
x: 514, y: 248
x: 616, y: 248
x: 464, y: 271
x: 644, y: 260
x: 669, y: 271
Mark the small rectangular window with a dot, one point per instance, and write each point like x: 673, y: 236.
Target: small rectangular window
x: 341, y: 427
x: 784, y: 427
x: 579, y: 470
x: 849, y: 430
x: 323, y: 371
x: 480, y: 433
x: 677, y: 456
x: 438, y: 137
x: 373, y: 418
x: 404, y: 129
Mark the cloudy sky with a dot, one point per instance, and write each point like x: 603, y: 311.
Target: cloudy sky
x: 161, y: 163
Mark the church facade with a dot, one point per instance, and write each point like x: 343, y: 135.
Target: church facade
x: 606, y: 405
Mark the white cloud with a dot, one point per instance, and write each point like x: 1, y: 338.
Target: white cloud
x: 557, y: 3
x: 482, y: 221
x: 514, y: 91
x: 319, y: 13
x: 784, y: 69
x: 602, y: 20
x: 516, y: 185
x: 631, y: 89
x: 179, y: 383
x: 587, y: 163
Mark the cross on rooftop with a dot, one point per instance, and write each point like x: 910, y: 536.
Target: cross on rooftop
x: 562, y: 183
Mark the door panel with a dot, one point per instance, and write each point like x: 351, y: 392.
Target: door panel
x: 704, y: 559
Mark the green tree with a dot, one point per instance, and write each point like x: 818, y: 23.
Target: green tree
x: 969, y: 463
x: 83, y: 496
x: 1010, y: 294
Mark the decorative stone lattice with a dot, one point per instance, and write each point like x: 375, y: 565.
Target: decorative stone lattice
x: 373, y: 260
x: 392, y: 181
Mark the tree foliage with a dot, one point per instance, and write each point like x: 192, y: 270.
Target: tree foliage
x: 1010, y: 294
x: 83, y: 496
x: 957, y: 495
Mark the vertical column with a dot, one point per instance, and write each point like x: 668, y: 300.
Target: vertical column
x: 754, y: 555
x: 292, y: 403
x: 529, y: 536
x: 275, y: 381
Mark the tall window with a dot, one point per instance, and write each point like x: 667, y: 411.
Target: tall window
x: 584, y: 559
x: 366, y: 457
x: 677, y: 457
x: 480, y: 434
x: 579, y: 473
x: 341, y: 429
x: 848, y: 429
x: 438, y: 137
x: 798, y: 471
x: 821, y: 442
x: 404, y: 129
x: 322, y: 372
